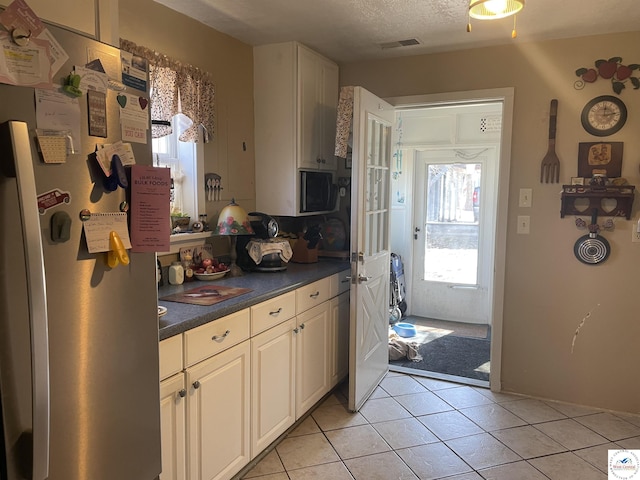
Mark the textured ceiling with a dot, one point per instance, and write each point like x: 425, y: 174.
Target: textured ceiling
x: 353, y: 30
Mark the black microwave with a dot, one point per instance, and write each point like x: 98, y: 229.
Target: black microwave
x: 318, y: 193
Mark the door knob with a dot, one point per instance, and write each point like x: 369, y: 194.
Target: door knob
x: 363, y: 278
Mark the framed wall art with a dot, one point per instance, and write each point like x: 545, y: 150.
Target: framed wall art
x: 603, y: 158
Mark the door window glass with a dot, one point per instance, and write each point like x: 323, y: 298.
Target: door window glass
x: 452, y: 222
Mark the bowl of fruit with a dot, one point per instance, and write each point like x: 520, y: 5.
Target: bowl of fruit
x: 210, y: 269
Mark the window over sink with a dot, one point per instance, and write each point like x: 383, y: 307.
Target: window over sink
x: 185, y: 161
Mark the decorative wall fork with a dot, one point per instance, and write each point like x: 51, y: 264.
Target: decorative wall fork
x: 550, y: 167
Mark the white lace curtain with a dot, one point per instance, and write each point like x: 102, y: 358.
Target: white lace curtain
x: 177, y: 88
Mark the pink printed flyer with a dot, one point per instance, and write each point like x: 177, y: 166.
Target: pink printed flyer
x: 150, y: 213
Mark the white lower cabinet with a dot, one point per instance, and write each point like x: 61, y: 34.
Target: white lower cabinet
x: 219, y: 414
x: 246, y: 378
x: 173, y: 423
x: 313, y: 357
x: 273, y: 368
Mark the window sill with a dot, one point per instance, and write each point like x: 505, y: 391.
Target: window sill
x: 187, y: 239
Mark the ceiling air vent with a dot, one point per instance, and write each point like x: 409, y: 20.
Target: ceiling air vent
x: 400, y: 43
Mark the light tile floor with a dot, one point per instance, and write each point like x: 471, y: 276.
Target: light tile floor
x: 419, y: 428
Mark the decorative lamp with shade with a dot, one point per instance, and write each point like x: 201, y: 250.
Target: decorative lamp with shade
x: 493, y: 10
x: 233, y: 221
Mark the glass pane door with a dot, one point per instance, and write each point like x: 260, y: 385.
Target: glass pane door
x: 452, y: 229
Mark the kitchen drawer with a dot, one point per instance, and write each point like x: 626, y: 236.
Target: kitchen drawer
x: 272, y: 312
x: 340, y: 283
x: 313, y: 294
x: 170, y: 356
x: 216, y: 336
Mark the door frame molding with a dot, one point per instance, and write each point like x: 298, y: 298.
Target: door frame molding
x: 506, y: 96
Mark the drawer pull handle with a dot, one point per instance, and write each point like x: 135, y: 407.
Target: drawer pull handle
x: 219, y: 338
x: 274, y: 314
x: 196, y: 384
x: 182, y: 393
x: 315, y: 295
x: 346, y: 280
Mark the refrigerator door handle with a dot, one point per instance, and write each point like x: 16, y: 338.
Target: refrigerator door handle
x: 34, y: 258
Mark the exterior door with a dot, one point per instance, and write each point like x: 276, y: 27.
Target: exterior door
x: 454, y: 220
x: 370, y: 250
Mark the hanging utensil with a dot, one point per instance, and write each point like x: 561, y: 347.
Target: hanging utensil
x: 592, y: 248
x: 550, y: 168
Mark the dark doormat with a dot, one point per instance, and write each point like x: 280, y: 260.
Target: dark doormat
x: 452, y: 355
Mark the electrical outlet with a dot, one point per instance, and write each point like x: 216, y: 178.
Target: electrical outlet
x: 523, y: 224
x: 635, y: 236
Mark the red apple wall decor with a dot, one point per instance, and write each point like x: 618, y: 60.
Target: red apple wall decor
x: 614, y: 70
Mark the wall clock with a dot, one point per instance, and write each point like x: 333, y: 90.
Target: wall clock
x: 604, y: 115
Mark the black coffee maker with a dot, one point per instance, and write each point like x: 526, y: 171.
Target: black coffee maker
x: 263, y: 252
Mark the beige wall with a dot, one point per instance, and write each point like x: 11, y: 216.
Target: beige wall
x: 230, y: 62
x: 548, y: 291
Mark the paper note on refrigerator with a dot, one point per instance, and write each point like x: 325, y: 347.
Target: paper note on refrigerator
x: 59, y: 112
x: 18, y: 15
x: 100, y: 225
x: 150, y: 192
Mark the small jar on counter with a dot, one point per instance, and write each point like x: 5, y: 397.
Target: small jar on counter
x: 187, y: 265
x: 176, y: 273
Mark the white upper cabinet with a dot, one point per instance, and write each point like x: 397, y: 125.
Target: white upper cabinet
x: 317, y: 103
x: 295, y: 104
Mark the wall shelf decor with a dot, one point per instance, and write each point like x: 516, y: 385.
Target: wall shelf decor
x: 610, y: 200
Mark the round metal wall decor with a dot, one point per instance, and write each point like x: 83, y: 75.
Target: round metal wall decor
x: 591, y: 249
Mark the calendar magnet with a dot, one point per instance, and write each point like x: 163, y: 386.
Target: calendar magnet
x: 53, y: 148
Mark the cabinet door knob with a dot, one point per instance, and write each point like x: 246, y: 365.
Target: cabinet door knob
x: 182, y: 393
x: 295, y: 330
x: 217, y: 338
x: 302, y: 326
x: 196, y: 384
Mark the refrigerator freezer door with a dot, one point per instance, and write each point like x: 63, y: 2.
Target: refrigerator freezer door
x: 27, y: 434
x: 102, y: 322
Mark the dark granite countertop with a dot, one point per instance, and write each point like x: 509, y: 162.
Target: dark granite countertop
x: 181, y: 317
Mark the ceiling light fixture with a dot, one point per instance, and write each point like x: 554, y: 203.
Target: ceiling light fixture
x: 494, y: 9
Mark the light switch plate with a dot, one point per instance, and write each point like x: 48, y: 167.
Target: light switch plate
x: 523, y: 224
x: 525, y: 197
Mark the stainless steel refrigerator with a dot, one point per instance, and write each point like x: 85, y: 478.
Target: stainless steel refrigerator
x: 79, y: 389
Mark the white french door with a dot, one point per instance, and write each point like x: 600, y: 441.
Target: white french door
x: 370, y: 249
